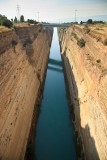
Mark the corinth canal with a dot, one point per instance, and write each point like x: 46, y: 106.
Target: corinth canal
x: 54, y: 137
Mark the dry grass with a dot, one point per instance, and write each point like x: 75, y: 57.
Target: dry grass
x: 100, y: 28
x: 21, y: 25
x: 4, y: 29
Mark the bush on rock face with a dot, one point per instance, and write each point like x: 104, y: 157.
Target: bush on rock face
x: 14, y: 42
x: 74, y: 35
x: 105, y: 42
x: 81, y: 42
x: 86, y: 29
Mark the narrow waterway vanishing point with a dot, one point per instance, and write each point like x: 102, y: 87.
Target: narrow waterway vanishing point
x: 54, y: 134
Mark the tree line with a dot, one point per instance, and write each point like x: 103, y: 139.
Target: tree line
x: 4, y: 21
x: 90, y: 21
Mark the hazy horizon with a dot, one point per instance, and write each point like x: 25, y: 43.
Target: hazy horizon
x: 54, y: 11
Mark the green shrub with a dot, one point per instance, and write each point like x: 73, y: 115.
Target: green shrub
x: 7, y: 23
x: 86, y: 29
x: 98, y: 60
x: 15, y: 28
x: 81, y: 42
x: 74, y: 35
x: 98, y: 39
x: 105, y: 42
x: 14, y: 42
x: 90, y: 21
x: 31, y: 21
x: 95, y: 22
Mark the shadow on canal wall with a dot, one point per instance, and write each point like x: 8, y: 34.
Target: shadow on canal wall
x: 73, y: 98
x: 41, y: 75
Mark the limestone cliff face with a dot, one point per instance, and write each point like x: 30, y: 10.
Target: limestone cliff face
x: 23, y: 60
x: 86, y: 72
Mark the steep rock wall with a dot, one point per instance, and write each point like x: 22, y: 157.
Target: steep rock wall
x: 23, y: 60
x: 86, y: 72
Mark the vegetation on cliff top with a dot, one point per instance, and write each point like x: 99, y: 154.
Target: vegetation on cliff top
x: 5, y: 22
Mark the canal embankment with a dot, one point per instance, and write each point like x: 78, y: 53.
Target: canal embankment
x: 24, y: 53
x: 84, y: 61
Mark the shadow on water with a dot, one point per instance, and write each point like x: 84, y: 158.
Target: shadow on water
x: 85, y: 143
x: 55, y: 65
x: 55, y: 69
x: 55, y: 62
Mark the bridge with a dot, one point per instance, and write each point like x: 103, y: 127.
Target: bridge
x: 56, y: 24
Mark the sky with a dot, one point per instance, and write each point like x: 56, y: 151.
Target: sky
x: 53, y: 10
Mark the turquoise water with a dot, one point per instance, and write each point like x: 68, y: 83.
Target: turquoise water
x: 54, y: 132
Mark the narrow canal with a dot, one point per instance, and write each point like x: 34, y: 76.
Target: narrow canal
x: 54, y: 132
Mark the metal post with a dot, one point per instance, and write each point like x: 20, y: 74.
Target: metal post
x: 38, y: 16
x: 75, y: 15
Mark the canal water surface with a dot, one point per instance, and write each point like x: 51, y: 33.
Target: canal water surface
x: 54, y: 132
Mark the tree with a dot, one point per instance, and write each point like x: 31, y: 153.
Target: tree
x: 81, y: 22
x: 21, y: 18
x: 15, y: 20
x: 2, y: 19
x: 31, y: 21
x: 89, y: 21
x: 12, y: 20
x: 5, y: 22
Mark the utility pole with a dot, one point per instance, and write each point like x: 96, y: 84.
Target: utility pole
x: 18, y: 12
x: 35, y: 17
x: 75, y: 15
x: 38, y: 16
